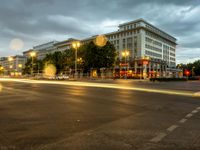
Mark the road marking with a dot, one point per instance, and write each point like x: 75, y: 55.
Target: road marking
x: 189, y: 115
x: 158, y: 138
x: 172, y: 128
x: 195, y: 111
x: 183, y: 120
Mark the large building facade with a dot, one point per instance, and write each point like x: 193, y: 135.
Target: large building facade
x: 151, y: 51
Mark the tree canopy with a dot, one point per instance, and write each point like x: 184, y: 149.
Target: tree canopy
x: 89, y: 56
x: 194, y: 67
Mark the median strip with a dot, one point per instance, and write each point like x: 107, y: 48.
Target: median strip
x: 106, y: 85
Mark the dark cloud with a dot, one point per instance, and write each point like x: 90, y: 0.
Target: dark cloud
x: 37, y: 21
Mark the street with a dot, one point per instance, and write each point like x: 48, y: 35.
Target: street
x: 98, y: 115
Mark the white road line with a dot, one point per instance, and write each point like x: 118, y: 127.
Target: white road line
x: 189, y: 115
x: 195, y: 111
x: 183, y: 120
x: 158, y: 138
x: 172, y: 128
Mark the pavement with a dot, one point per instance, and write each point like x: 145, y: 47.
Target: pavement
x: 108, y: 115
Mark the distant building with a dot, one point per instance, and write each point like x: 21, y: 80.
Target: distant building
x: 64, y: 45
x: 50, y: 47
x: 13, y: 65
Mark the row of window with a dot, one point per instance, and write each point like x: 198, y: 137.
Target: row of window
x: 153, y: 48
x: 114, y: 42
x: 173, y: 59
x: 153, y: 54
x: 149, y: 40
x: 172, y: 54
x: 152, y: 35
x: 172, y: 49
x: 122, y: 34
x: 132, y: 26
x: 159, y: 32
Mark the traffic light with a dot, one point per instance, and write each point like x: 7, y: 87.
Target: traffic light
x: 187, y: 72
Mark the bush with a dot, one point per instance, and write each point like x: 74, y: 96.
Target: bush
x: 194, y: 78
x: 167, y: 79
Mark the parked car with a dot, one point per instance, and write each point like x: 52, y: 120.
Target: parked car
x: 61, y: 77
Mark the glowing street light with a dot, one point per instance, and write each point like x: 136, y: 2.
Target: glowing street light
x: 10, y: 59
x: 32, y: 54
x: 20, y: 65
x: 125, y: 54
x: 76, y: 45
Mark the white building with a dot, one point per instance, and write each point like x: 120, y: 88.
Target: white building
x: 151, y: 50
x: 13, y: 65
x: 43, y: 49
x: 50, y: 47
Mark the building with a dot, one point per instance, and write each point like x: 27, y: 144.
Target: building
x: 50, y: 47
x: 13, y: 65
x: 64, y: 45
x: 151, y: 51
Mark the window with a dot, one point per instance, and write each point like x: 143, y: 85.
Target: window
x: 124, y: 40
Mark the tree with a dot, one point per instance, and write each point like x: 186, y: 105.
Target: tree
x: 194, y: 67
x: 99, y: 57
x: 56, y: 59
x: 37, y: 66
x: 89, y: 57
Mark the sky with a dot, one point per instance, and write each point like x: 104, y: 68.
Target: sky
x: 27, y: 23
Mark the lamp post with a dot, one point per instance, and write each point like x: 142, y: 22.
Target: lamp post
x: 76, y: 45
x: 32, y: 54
x: 125, y: 54
x: 10, y: 59
x: 193, y: 71
x: 20, y: 69
x: 2, y: 70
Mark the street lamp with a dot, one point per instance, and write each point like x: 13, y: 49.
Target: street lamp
x: 193, y: 71
x: 32, y: 54
x: 10, y: 59
x: 76, y: 45
x: 125, y: 54
x: 20, y: 65
x: 2, y: 70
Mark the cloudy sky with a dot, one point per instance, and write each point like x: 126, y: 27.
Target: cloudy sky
x: 37, y: 21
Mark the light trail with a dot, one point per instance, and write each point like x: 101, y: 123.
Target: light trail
x: 106, y: 85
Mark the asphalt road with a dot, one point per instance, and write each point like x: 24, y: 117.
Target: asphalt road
x: 53, y: 116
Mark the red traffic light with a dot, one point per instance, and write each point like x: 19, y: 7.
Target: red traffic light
x: 187, y: 72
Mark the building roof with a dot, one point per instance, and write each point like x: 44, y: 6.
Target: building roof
x: 45, y: 44
x: 142, y: 20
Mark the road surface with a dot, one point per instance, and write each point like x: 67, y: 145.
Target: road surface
x: 114, y: 115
